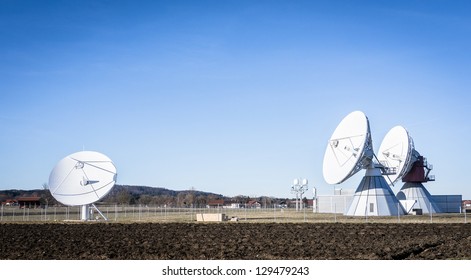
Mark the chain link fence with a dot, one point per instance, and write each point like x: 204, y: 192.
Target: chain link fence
x: 155, y: 213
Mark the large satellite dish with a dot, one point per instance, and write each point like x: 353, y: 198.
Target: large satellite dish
x: 81, y: 179
x: 349, y: 149
x: 397, y: 152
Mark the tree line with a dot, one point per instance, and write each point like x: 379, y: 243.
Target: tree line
x: 144, y: 195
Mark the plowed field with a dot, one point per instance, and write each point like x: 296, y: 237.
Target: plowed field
x: 234, y: 241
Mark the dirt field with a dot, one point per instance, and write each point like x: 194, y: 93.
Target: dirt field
x: 234, y: 241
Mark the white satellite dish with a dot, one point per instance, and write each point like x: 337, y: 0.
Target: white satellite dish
x: 349, y: 149
x: 397, y: 152
x: 81, y: 179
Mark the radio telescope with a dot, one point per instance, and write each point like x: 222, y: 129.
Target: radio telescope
x: 350, y: 150
x: 82, y: 178
x: 398, y: 150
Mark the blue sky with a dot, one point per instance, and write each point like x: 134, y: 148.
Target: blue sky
x: 231, y: 97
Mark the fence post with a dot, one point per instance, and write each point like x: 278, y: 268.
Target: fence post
x: 274, y: 213
x: 304, y: 210
x: 245, y: 210
x: 335, y: 212
x: 431, y: 212
x: 139, y: 213
x: 398, y: 216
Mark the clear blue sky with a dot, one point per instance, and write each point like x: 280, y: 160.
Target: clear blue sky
x: 231, y: 97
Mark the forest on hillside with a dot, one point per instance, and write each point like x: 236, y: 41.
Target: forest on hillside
x: 144, y: 195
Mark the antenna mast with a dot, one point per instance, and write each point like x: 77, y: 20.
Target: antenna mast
x: 299, y: 187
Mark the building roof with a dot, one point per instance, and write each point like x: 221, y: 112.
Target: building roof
x: 252, y: 202
x: 216, y: 202
x: 28, y: 199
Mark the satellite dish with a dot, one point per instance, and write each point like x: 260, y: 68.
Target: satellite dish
x: 81, y: 179
x: 349, y: 149
x: 397, y: 152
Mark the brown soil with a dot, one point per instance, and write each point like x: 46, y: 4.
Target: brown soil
x: 234, y: 241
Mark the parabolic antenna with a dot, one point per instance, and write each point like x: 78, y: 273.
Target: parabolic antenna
x: 82, y: 178
x: 396, y: 151
x: 349, y: 149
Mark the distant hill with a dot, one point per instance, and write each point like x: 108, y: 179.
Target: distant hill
x: 128, y: 194
x: 14, y: 193
x: 153, y: 191
x: 145, y: 195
